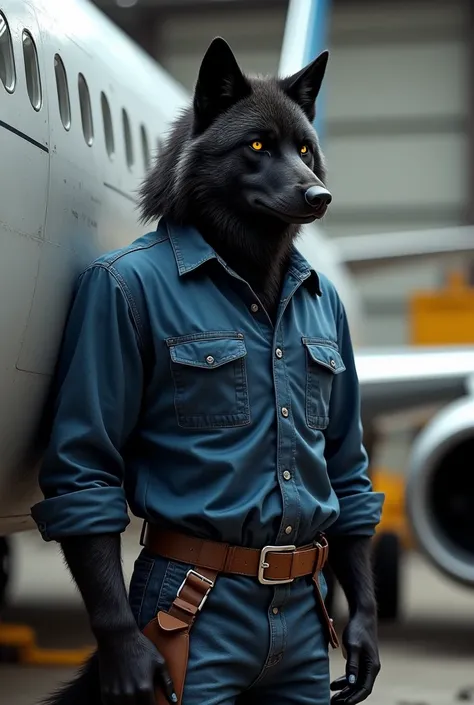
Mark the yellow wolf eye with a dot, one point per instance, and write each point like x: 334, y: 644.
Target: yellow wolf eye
x: 304, y: 149
x: 257, y: 146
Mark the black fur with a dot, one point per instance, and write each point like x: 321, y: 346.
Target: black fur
x: 350, y: 560
x: 208, y: 176
x: 126, y: 661
x: 249, y: 205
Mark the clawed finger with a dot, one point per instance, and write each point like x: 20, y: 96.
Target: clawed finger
x: 350, y: 697
x: 339, y: 683
x: 167, y: 684
x: 357, y: 697
x: 341, y: 697
x: 353, y: 694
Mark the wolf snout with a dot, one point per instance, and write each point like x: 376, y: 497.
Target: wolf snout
x: 318, y: 198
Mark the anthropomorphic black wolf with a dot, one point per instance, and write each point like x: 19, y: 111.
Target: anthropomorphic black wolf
x: 207, y: 378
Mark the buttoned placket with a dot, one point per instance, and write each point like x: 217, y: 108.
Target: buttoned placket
x: 286, y: 432
x: 281, y: 593
x: 286, y: 438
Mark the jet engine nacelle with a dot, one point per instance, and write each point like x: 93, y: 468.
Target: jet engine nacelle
x: 440, y: 490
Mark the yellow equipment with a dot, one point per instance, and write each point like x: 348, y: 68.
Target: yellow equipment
x: 444, y: 316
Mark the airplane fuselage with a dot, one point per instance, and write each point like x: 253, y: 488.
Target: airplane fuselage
x: 67, y: 195
x: 81, y: 111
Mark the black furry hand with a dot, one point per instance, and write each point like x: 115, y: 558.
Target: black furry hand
x: 129, y: 665
x: 363, y: 665
x: 350, y: 559
x: 130, y: 669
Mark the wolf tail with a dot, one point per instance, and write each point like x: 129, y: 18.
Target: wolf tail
x: 83, y: 690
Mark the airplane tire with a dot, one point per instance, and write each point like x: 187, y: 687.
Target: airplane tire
x: 386, y: 566
x: 5, y: 569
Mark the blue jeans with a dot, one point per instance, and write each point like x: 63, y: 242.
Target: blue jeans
x: 266, y: 644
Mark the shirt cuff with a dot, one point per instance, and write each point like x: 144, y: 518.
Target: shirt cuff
x: 359, y: 514
x: 98, y: 510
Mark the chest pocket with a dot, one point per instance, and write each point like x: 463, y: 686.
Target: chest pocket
x: 210, y: 380
x: 323, y: 363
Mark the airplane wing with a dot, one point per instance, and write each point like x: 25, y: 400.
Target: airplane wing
x: 366, y: 251
x: 405, y: 378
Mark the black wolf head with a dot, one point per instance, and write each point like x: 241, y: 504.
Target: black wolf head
x: 242, y: 163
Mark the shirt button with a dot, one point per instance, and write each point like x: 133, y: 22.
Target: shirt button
x: 287, y: 475
x: 285, y: 412
x: 333, y: 363
x: 210, y: 360
x: 288, y: 530
x: 279, y: 353
x: 275, y: 610
x: 254, y: 308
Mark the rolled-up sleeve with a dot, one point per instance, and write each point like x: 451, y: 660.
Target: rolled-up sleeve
x: 96, y: 402
x: 346, y: 457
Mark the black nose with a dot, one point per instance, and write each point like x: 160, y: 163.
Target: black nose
x: 318, y: 197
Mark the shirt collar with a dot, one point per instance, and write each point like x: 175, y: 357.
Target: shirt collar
x: 190, y: 248
x: 192, y: 251
x: 302, y: 270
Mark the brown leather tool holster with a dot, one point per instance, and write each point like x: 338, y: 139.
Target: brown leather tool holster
x: 272, y: 565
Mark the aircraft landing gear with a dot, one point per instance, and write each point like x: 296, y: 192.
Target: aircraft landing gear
x: 5, y: 569
x: 18, y: 641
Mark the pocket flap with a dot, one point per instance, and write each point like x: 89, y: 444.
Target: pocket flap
x: 169, y: 623
x: 207, y: 353
x: 325, y: 355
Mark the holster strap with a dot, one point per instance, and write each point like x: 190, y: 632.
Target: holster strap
x: 271, y: 565
x: 333, y: 638
x: 169, y: 631
x: 192, y: 594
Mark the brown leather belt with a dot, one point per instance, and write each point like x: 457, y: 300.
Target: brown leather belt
x: 271, y: 565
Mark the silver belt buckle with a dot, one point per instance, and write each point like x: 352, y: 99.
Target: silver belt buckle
x: 263, y: 565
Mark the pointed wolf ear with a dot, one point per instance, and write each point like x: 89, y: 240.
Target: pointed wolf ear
x: 303, y: 87
x: 220, y: 84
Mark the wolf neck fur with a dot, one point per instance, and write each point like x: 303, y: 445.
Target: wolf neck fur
x: 260, y: 258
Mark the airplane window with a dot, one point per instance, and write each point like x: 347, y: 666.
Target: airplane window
x: 86, y: 110
x: 145, y: 147
x: 63, y: 92
x: 33, y: 81
x: 7, y: 64
x: 108, y: 126
x: 128, y: 138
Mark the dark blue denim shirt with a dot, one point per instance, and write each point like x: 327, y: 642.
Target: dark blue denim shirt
x: 176, y: 393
